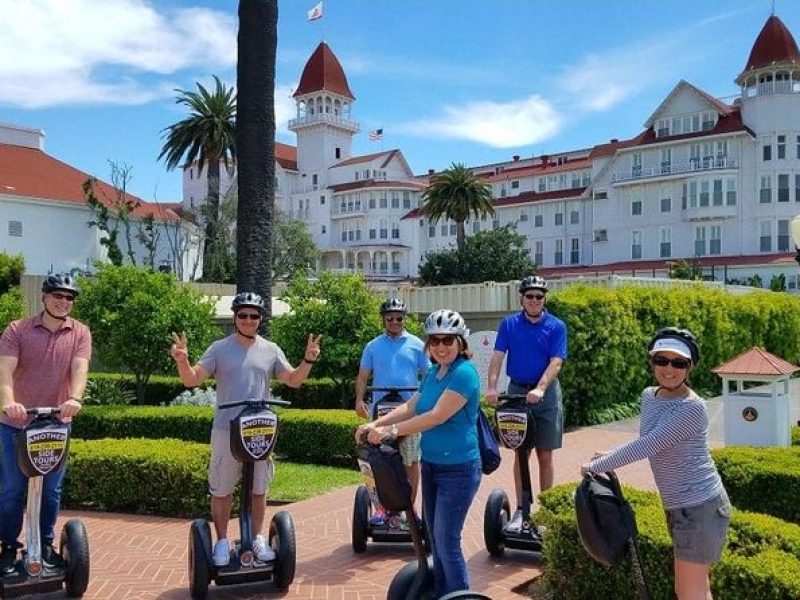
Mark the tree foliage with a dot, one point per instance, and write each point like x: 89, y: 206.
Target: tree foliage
x: 455, y: 194
x: 131, y: 312
x: 293, y: 248
x: 493, y: 255
x: 685, y: 269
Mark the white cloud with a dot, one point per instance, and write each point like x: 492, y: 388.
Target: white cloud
x: 285, y: 109
x: 55, y: 52
x: 496, y: 124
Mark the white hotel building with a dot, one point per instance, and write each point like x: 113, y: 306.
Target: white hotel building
x: 705, y: 180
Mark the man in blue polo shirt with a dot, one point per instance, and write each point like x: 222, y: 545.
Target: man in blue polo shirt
x: 395, y: 358
x: 536, y: 344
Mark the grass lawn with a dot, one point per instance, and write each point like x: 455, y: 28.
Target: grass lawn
x: 294, y: 481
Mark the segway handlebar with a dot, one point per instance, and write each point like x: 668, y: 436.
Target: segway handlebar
x: 43, y: 410
x: 503, y: 399
x: 257, y: 402
x: 391, y: 389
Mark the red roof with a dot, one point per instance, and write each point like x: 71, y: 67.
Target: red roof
x: 730, y: 123
x: 286, y: 156
x: 540, y: 169
x: 774, y: 45
x: 374, y: 183
x: 756, y: 361
x: 355, y: 160
x: 323, y: 71
x: 30, y: 173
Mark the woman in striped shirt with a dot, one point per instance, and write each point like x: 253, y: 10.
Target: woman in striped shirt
x: 673, y: 436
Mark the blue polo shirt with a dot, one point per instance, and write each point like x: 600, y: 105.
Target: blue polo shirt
x: 530, y: 346
x: 456, y: 440
x: 395, y: 362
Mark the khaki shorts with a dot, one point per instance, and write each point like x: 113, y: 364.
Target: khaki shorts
x: 699, y: 532
x: 224, y: 471
x: 410, y: 448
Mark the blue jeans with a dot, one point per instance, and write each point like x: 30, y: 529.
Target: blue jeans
x: 447, y: 493
x: 13, y: 485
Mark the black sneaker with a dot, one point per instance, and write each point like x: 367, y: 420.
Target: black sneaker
x: 50, y: 557
x: 8, y: 556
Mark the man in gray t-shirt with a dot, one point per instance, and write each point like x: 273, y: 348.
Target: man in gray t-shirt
x: 243, y: 365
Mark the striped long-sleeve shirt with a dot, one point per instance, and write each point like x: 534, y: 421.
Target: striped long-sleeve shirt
x: 673, y: 435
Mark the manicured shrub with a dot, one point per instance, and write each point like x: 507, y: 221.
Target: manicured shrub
x: 11, y: 307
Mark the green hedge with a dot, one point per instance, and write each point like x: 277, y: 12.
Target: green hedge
x: 12, y: 307
x: 766, y: 480
x: 168, y: 477
x: 762, y: 559
x: 323, y: 437
x: 609, y: 330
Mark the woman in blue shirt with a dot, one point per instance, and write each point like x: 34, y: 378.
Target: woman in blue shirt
x: 445, y: 410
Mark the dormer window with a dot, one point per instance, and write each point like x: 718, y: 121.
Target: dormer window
x: 662, y: 128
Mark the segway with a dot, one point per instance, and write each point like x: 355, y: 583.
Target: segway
x: 414, y: 581
x: 518, y: 432
x: 42, y: 447
x: 366, y: 502
x: 607, y: 525
x: 254, y: 433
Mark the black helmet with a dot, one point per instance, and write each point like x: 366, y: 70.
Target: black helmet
x: 251, y: 299
x: 60, y: 282
x: 394, y: 305
x: 532, y: 282
x: 682, y: 335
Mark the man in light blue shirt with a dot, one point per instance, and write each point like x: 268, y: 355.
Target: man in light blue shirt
x: 396, y: 358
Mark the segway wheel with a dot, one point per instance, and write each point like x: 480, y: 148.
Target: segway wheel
x: 361, y: 519
x: 400, y: 587
x: 465, y: 595
x: 74, y: 550
x: 199, y: 559
x: 281, y: 537
x: 495, y: 517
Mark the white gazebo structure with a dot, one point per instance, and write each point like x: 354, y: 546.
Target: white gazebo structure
x: 756, y: 415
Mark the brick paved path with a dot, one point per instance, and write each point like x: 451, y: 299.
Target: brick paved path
x: 137, y: 557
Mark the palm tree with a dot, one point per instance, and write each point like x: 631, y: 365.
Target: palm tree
x: 208, y: 136
x: 255, y: 136
x: 456, y: 194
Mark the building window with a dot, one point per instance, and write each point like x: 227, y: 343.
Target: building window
x: 321, y: 200
x: 338, y: 153
x: 574, y: 217
x: 797, y: 188
x: 523, y: 217
x: 636, y: 169
x: 797, y: 150
x: 766, y: 152
x: 373, y: 233
x: 781, y: 147
x: 452, y: 228
x: 730, y: 194
x: 384, y: 201
x: 601, y: 235
x: 666, y: 161
x: 717, y: 197
x: 766, y: 189
x: 699, y: 241
x: 575, y: 251
x: 395, y: 200
x: 783, y: 188
x: 15, y: 229
x: 666, y: 205
x: 558, y: 256
x: 765, y: 236
x: 395, y: 232
x: 783, y: 235
x: 406, y: 200
x: 665, y: 241
x: 538, y: 220
x: 384, y: 233
x: 443, y: 230
x: 432, y: 231
x: 636, y: 244
x: 704, y: 193
x: 559, y: 218
x: 600, y: 195
x: 324, y: 230
x: 515, y: 184
x: 495, y: 223
x: 538, y: 253
x: 715, y: 241
x: 476, y: 227
x: 636, y: 206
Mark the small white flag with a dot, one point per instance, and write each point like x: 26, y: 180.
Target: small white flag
x: 316, y: 12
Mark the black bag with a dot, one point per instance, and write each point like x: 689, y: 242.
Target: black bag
x: 391, y: 479
x: 487, y: 444
x: 605, y: 519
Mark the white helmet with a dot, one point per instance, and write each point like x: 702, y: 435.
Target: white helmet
x: 446, y: 322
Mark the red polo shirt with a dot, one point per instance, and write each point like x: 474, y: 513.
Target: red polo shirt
x: 42, y: 376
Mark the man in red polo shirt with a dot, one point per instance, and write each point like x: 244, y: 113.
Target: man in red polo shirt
x: 44, y: 361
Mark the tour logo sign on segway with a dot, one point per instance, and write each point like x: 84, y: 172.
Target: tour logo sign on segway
x: 253, y: 435
x: 518, y: 433
x: 371, y: 520
x: 42, y: 448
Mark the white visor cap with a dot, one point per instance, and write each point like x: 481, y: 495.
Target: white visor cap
x: 671, y: 345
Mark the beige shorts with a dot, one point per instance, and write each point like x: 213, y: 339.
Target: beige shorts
x: 410, y: 448
x: 224, y: 471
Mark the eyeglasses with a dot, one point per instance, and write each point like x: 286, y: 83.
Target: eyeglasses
x: 533, y: 296
x: 447, y: 340
x: 60, y: 296
x: 677, y: 363
x: 393, y: 319
x: 251, y: 316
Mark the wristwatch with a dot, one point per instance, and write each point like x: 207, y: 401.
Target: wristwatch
x: 393, y: 431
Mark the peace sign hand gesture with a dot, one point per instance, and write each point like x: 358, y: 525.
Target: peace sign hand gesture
x: 180, y: 347
x: 312, y: 348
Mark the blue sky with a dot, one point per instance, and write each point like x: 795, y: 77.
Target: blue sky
x: 472, y: 81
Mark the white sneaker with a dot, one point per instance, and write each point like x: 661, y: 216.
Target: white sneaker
x: 263, y: 551
x: 515, y: 524
x: 222, y: 553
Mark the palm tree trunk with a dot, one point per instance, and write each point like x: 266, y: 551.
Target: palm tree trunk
x: 210, y: 250
x: 461, y: 236
x: 255, y: 141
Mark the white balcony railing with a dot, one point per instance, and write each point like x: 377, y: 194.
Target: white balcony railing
x: 331, y: 119
x: 694, y: 165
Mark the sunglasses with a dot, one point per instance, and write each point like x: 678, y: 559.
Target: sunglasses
x: 677, y: 363
x: 393, y: 319
x: 533, y: 296
x: 251, y: 316
x: 60, y: 296
x: 447, y: 340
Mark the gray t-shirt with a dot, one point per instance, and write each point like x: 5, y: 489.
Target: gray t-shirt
x: 242, y: 372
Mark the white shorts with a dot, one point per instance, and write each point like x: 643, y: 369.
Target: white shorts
x: 224, y: 471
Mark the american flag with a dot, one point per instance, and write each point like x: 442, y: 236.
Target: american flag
x: 375, y: 135
x: 316, y: 12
